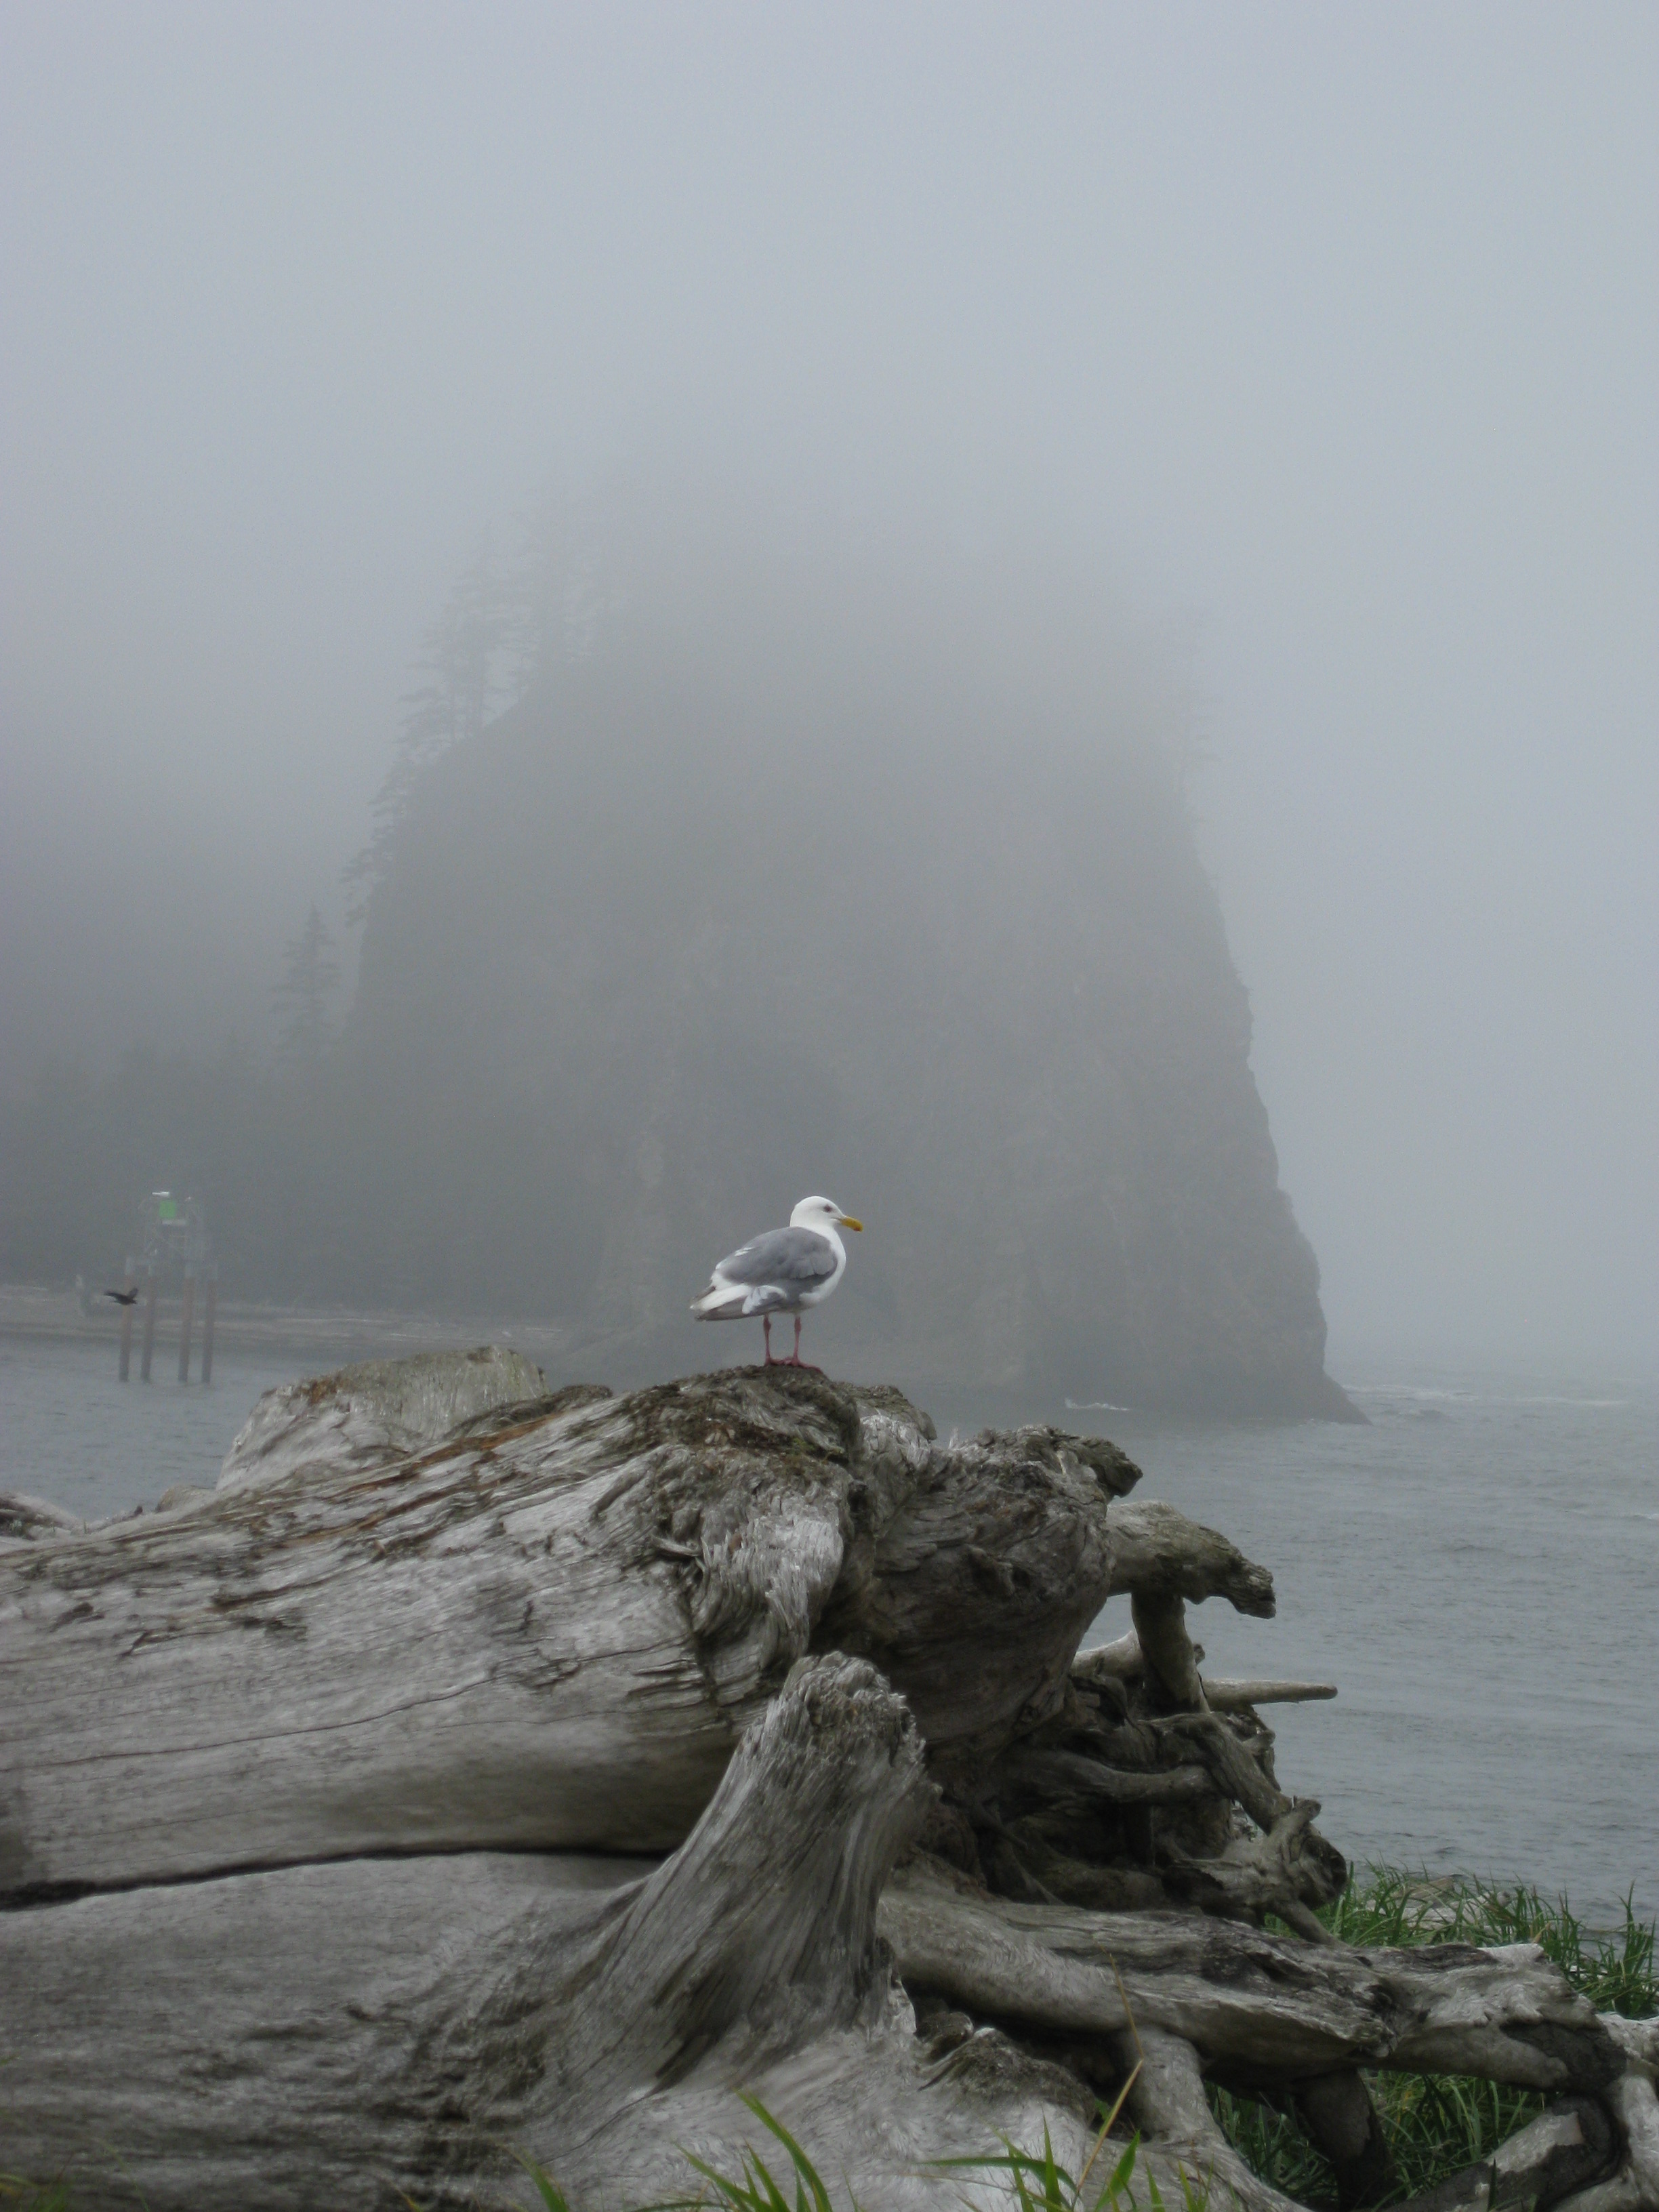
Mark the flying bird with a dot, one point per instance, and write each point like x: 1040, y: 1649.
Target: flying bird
x: 785, y: 1271
x: 123, y: 1298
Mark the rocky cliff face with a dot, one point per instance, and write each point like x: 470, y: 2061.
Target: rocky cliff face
x: 667, y: 949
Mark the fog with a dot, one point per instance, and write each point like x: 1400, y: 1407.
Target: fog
x: 1327, y: 338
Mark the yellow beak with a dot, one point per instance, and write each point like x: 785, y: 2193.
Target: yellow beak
x: 847, y: 1221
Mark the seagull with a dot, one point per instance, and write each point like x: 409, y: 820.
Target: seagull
x: 785, y: 1271
x: 123, y: 1298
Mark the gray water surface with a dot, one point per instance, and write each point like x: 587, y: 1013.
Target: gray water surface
x: 70, y: 1433
x: 1477, y: 1569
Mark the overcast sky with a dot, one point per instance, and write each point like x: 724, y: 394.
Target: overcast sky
x: 1337, y: 325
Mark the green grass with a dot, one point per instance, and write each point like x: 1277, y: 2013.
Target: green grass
x: 1037, y: 2181
x: 20, y: 2196
x: 1040, y: 2183
x: 1438, y: 2123
x: 755, y: 2190
x: 552, y: 2197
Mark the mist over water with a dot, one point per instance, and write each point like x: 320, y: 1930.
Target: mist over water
x: 945, y: 416
x: 1333, y: 331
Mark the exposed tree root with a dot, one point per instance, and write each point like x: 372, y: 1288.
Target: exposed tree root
x: 931, y: 1877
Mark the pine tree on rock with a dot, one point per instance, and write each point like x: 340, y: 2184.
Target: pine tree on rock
x: 311, y: 975
x: 460, y: 663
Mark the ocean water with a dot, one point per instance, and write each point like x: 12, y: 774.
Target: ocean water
x: 70, y: 1433
x: 1477, y: 1571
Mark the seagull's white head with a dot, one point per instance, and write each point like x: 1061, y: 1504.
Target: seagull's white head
x: 821, y: 1214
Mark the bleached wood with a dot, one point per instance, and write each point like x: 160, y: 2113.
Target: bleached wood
x: 23, y: 1519
x: 380, y: 1408
x: 547, y: 1629
x: 1053, y: 1777
x: 340, y: 2034
x: 1224, y: 1694
x: 1236, y: 1774
x: 1268, y: 2007
x: 424, y: 1615
x: 1287, y: 1870
x: 1542, y: 2162
x: 1157, y: 1552
x: 1168, y: 2103
x: 1123, y: 1660
x: 1340, y: 2117
x: 1119, y: 1660
x: 1635, y: 2186
x: 430, y: 1653
x: 417, y: 2012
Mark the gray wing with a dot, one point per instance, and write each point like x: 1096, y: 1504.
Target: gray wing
x: 793, y: 1259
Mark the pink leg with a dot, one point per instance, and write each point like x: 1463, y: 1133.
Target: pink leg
x: 766, y: 1324
x: 795, y: 1359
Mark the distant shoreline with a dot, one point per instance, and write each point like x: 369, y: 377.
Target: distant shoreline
x: 328, y: 1334
x: 320, y: 1338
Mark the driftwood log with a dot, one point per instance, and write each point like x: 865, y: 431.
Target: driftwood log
x: 476, y: 1770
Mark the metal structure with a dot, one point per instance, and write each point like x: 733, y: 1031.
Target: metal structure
x: 173, y: 1232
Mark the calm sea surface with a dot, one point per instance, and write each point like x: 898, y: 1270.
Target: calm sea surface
x: 1478, y: 1570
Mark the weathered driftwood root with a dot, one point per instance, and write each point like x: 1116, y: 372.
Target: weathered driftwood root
x: 381, y: 1409
x: 339, y: 2034
x: 1267, y: 2014
x: 547, y: 1630
x: 424, y: 1615
x: 1540, y: 2163
x: 418, y: 2013
x: 1124, y: 1662
x: 1543, y: 2164
x: 1262, y: 2010
x: 1168, y: 2104
x: 1634, y: 2103
x: 1141, y: 1735
x: 1338, y: 2115
x: 548, y: 1627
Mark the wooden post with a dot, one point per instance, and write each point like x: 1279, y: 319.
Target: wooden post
x: 185, y: 1322
x: 207, y: 1320
x: 129, y: 1282
x: 149, y: 1324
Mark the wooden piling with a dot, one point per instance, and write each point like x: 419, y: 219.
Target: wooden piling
x: 129, y: 1284
x: 185, y: 1320
x: 207, y: 1320
x: 150, y: 1326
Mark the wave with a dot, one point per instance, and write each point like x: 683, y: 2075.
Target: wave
x: 1562, y: 1401
x: 1408, y: 1391
x: 1421, y: 1392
